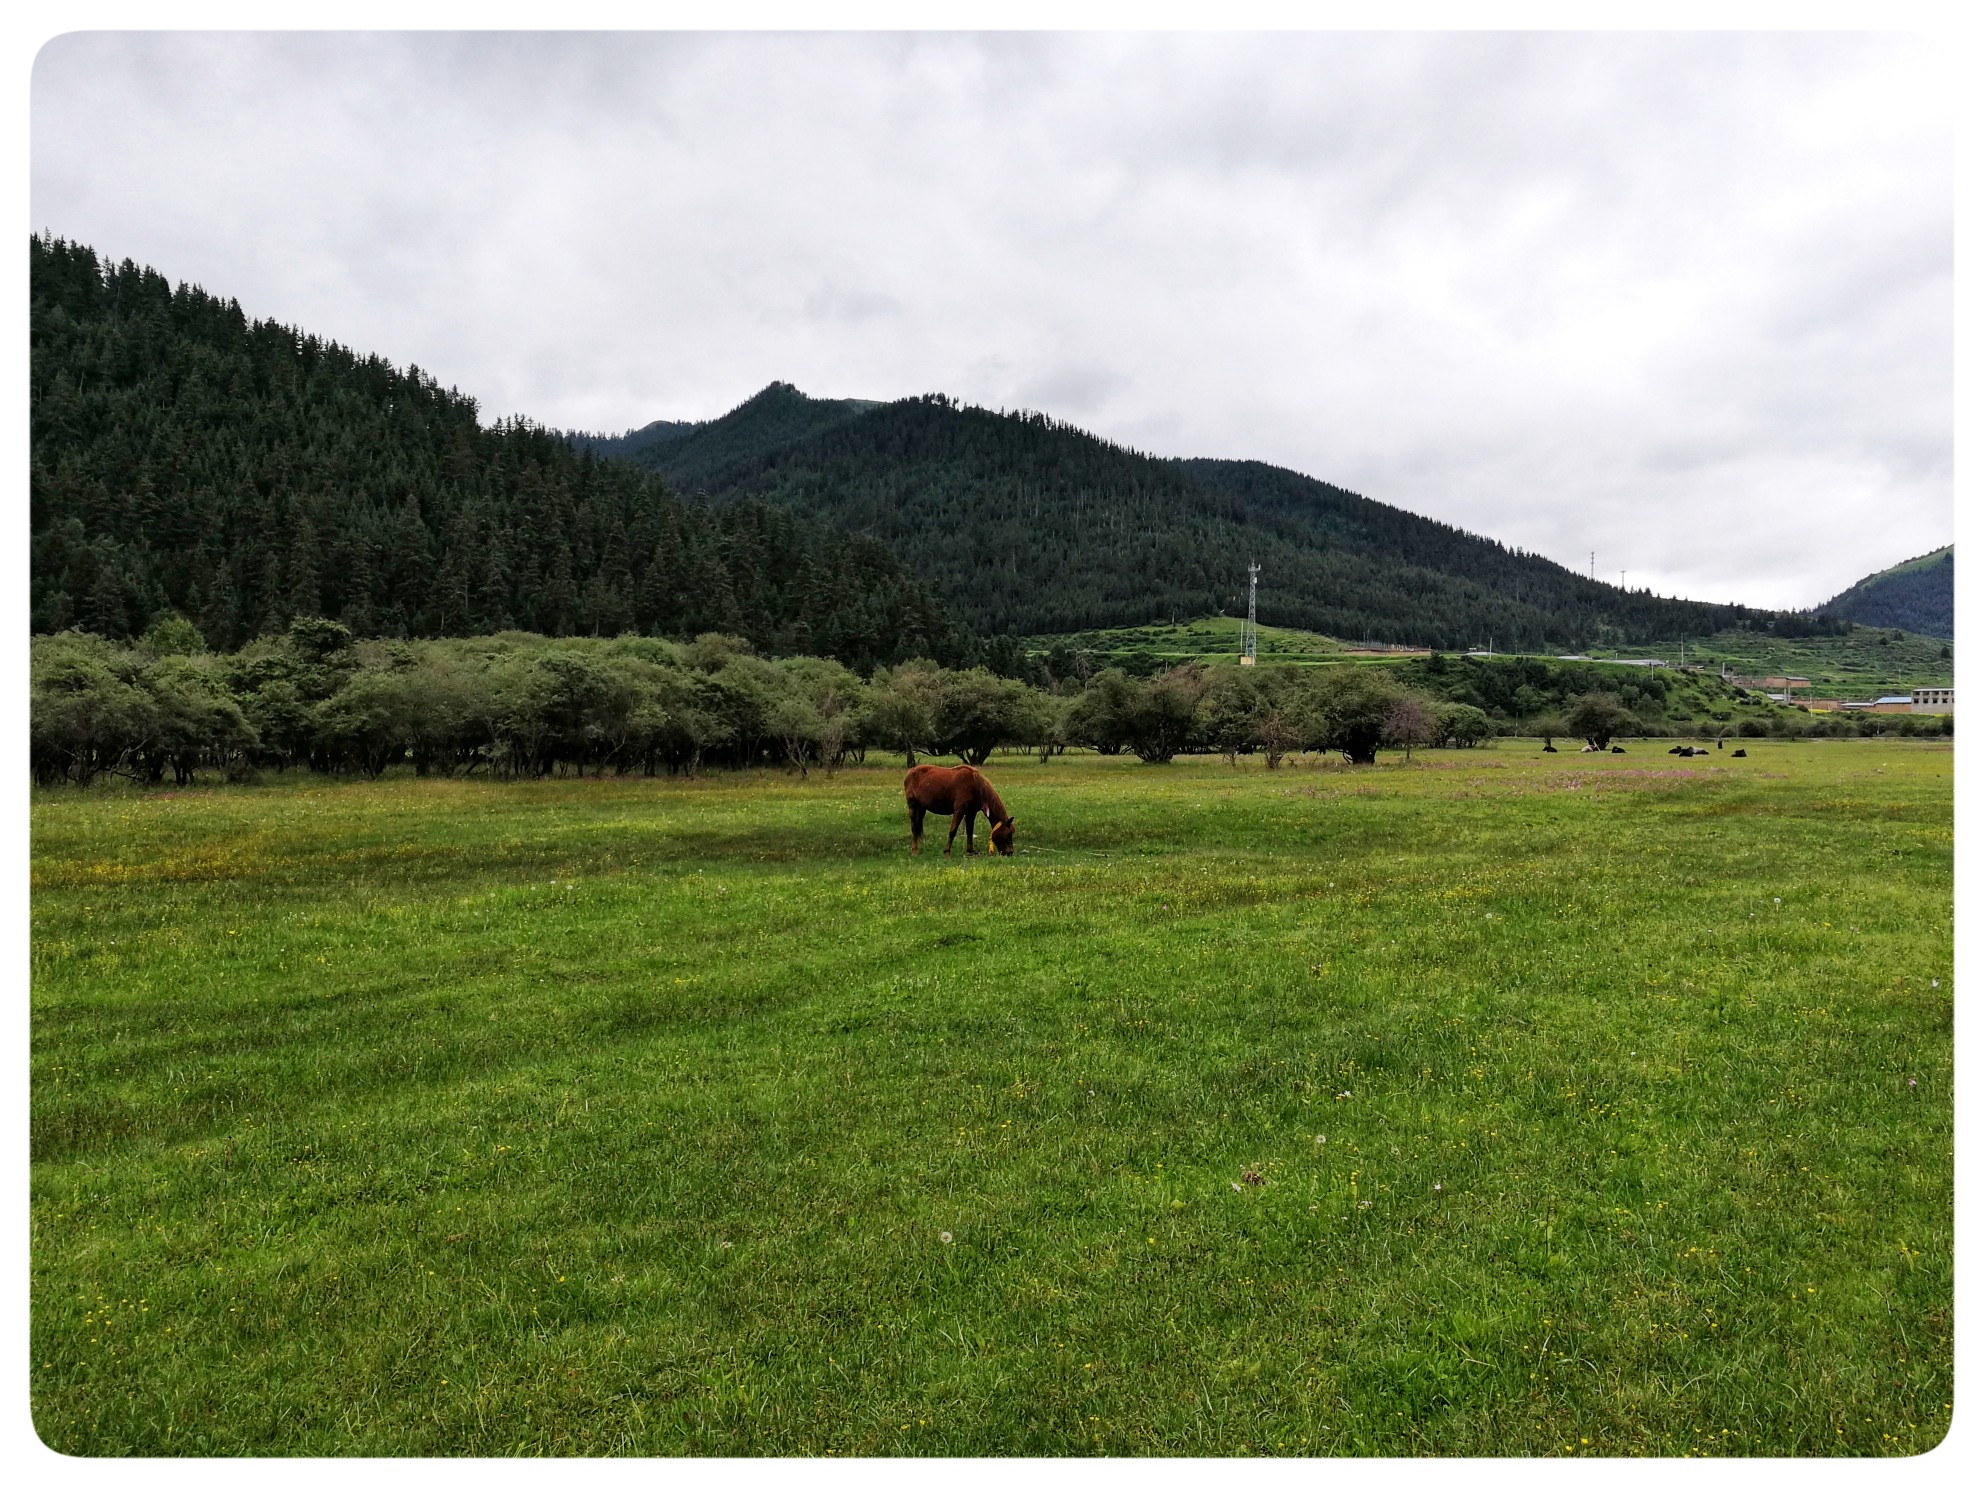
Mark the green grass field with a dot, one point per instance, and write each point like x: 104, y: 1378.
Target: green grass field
x: 1498, y: 1103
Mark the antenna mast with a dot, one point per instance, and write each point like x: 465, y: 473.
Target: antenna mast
x: 1249, y: 638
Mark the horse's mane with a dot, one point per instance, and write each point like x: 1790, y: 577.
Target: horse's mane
x: 995, y: 809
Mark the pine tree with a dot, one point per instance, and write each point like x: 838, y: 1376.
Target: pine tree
x: 300, y: 587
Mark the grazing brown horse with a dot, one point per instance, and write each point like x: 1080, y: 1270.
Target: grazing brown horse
x: 963, y: 792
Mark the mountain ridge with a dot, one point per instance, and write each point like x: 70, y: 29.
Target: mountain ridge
x: 1031, y: 525
x: 1917, y: 594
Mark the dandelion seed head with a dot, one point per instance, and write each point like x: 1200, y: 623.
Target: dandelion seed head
x: 945, y: 1236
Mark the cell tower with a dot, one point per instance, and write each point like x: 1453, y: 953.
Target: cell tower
x: 1250, y: 636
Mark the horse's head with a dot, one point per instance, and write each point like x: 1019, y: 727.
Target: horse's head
x: 1002, y: 838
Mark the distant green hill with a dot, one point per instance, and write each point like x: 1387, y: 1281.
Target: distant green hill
x: 1215, y: 639
x: 1508, y: 688
x: 1862, y: 664
x: 1030, y: 526
x: 1918, y: 596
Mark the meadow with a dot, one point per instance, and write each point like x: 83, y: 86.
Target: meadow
x: 1491, y: 1103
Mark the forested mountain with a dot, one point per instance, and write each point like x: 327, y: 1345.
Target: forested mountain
x: 244, y: 473
x: 621, y: 446
x: 1918, y: 596
x: 183, y: 457
x: 693, y: 454
x: 1028, y: 525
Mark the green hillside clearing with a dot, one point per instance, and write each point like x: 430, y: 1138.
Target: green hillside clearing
x: 1862, y: 664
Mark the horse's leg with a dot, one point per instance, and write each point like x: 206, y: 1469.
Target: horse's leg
x: 956, y: 818
x: 970, y: 823
x: 915, y: 828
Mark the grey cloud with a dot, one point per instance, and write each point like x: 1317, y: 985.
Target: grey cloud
x: 850, y: 304
x: 1072, y: 392
x: 1685, y: 299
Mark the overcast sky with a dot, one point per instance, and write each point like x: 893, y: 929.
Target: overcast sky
x: 1684, y: 300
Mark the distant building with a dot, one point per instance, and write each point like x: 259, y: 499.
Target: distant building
x: 1895, y: 704
x: 1769, y: 684
x: 1645, y: 662
x: 1822, y: 705
x: 1933, y: 700
x: 1574, y: 658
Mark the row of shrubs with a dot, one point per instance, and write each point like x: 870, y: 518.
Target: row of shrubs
x: 1795, y: 723
x: 524, y: 705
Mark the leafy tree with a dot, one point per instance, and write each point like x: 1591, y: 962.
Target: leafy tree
x: 1597, y: 717
x: 1230, y: 711
x: 1461, y: 725
x: 87, y: 713
x: 977, y: 711
x: 902, y: 709
x: 196, y: 721
x: 1411, y: 723
x: 367, y: 723
x: 281, y: 719
x: 1101, y: 716
x: 453, y: 728
x: 1163, y: 717
x: 838, y: 700
x: 172, y: 635
x: 1050, y: 725
x: 796, y: 722
x: 1354, y: 705
x: 743, y: 693
x: 1286, y: 717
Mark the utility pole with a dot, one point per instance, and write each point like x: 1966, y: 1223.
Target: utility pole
x: 1250, y: 637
